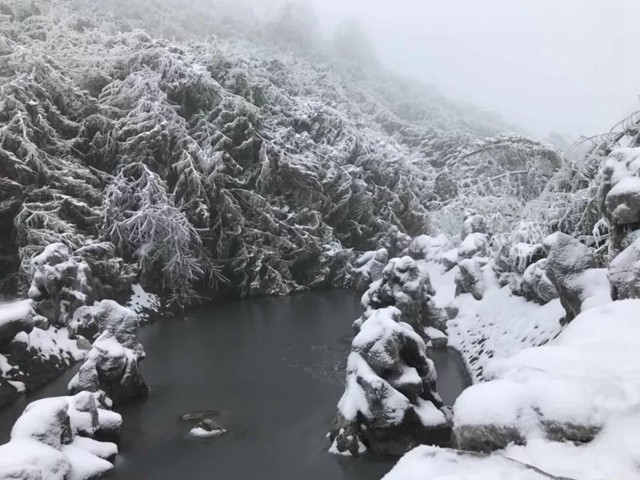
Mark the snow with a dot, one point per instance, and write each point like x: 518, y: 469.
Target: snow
x: 430, y: 248
x: 200, y: 432
x: 429, y: 414
x: 15, y: 311
x: 52, y: 342
x: 623, y: 163
x: 500, y: 325
x: 334, y: 448
x: 19, y: 458
x: 433, y: 463
x: 443, y: 282
x: 587, y: 377
x: 84, y: 464
x: 143, y: 302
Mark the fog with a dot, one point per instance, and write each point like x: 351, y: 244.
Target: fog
x: 546, y: 65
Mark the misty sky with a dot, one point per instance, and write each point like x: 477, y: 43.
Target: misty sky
x: 564, y: 65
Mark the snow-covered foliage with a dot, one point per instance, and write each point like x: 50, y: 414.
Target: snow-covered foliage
x: 220, y: 162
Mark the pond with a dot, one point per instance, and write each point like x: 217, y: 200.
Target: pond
x: 274, y: 370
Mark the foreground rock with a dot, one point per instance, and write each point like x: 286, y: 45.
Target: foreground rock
x: 563, y: 392
x: 390, y: 403
x: 57, y: 439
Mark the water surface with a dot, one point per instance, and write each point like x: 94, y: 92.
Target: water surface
x: 274, y: 368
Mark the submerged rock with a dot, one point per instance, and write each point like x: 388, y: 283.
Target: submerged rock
x: 207, y: 428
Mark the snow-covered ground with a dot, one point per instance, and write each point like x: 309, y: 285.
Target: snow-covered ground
x: 540, y: 376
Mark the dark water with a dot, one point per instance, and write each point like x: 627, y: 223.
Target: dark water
x: 274, y: 368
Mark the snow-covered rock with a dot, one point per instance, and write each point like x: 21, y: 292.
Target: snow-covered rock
x: 571, y: 268
x: 390, y: 403
x: 434, y: 463
x: 112, y: 368
x: 16, y: 317
x: 473, y: 223
x: 403, y: 285
x: 368, y: 268
x: 60, y: 283
x: 567, y: 390
x: 207, y: 428
x: 624, y: 273
x: 108, y: 316
x: 425, y: 247
x: 535, y: 285
x: 52, y: 440
x: 470, y: 277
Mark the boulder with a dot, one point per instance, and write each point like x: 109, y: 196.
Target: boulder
x: 207, y: 428
x: 474, y: 245
x: 108, y: 316
x: 16, y: 317
x: 60, y: 283
x: 473, y: 223
x: 624, y: 273
x: 390, y: 403
x: 425, y: 247
x: 535, y: 285
x: 403, y: 285
x: 470, y: 277
x: 112, y: 368
x: 567, y: 261
x: 53, y: 439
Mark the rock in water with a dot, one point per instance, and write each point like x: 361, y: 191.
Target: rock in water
x: 111, y: 368
x: 406, y: 287
x: 390, y: 403
x: 113, y: 363
x: 207, y: 428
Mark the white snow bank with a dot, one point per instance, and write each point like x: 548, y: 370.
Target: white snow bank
x: 443, y: 282
x: 433, y: 463
x: 587, y: 376
x: 500, y: 325
x: 143, y: 302
x: 45, y: 441
x: 52, y: 342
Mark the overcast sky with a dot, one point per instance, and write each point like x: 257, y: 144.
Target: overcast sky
x: 564, y: 65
